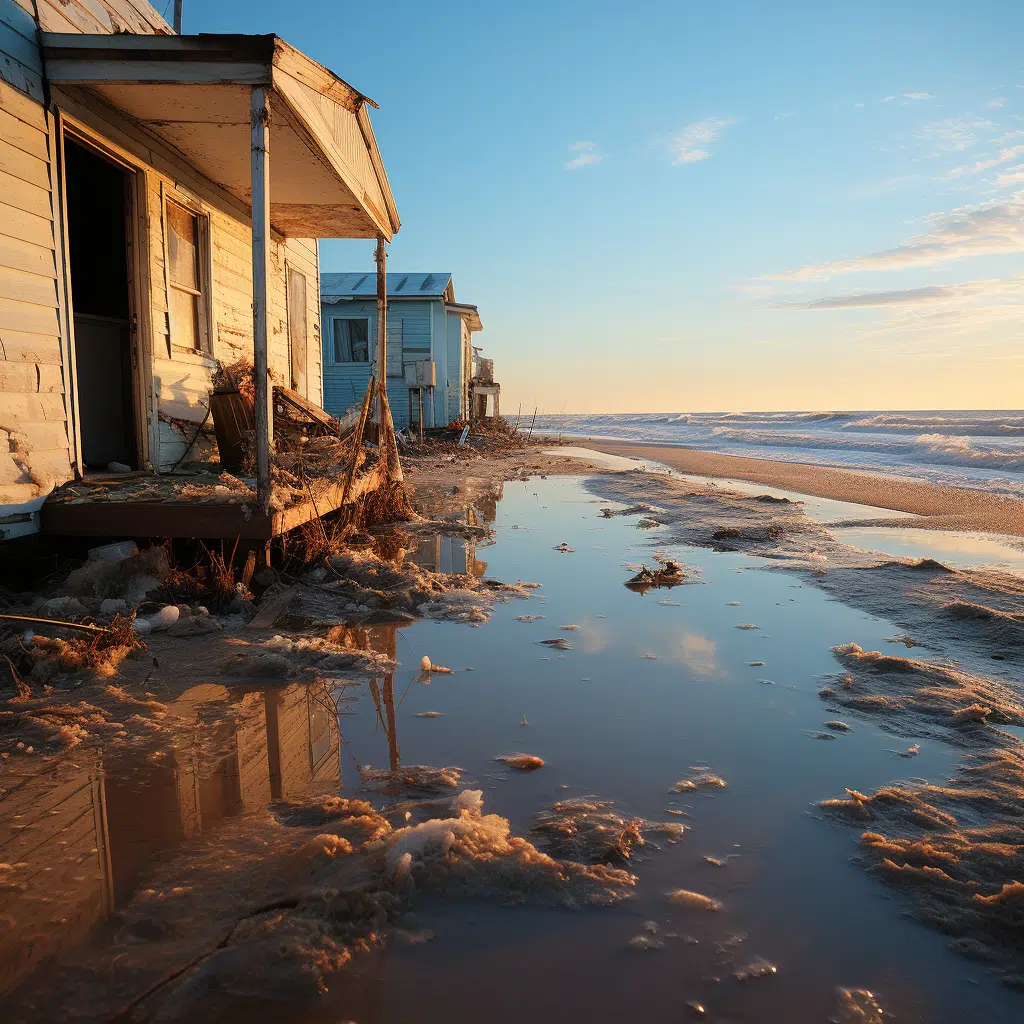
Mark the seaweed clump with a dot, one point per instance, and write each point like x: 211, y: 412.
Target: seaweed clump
x: 955, y: 851
x: 590, y: 830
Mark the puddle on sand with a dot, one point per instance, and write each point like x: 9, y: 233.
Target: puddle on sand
x: 961, y: 550
x: 608, y: 721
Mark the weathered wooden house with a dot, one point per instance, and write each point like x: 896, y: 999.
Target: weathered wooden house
x: 430, y: 348
x: 160, y: 197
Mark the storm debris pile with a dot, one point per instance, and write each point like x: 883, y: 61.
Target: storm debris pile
x: 356, y: 583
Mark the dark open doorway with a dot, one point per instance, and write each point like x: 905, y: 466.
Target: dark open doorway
x: 97, y: 206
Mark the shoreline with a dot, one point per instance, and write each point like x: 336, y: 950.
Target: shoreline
x: 941, y: 508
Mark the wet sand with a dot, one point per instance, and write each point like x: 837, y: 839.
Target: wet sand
x: 944, y: 508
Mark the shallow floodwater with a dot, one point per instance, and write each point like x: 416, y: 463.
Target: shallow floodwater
x: 655, y: 683
x: 962, y: 550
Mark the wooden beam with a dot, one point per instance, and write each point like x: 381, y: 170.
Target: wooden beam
x: 260, y: 154
x: 381, y: 258
x: 307, y: 408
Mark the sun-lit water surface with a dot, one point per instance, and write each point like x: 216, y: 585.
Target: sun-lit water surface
x: 655, y: 684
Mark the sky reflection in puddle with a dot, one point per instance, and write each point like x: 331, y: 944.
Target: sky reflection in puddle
x: 654, y: 685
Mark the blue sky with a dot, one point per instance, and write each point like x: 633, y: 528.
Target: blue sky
x: 701, y: 206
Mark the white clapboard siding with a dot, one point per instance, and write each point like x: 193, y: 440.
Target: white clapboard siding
x: 34, y: 449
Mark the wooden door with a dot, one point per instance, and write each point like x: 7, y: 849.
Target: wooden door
x: 297, y: 330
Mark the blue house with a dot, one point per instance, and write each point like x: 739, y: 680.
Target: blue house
x: 430, y: 348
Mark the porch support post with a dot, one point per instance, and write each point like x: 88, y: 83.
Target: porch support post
x: 264, y: 413
x: 380, y: 256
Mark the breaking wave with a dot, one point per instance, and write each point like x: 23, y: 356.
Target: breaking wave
x: 964, y: 449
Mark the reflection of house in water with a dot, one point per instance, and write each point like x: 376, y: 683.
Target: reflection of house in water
x: 443, y: 552
x: 78, y: 834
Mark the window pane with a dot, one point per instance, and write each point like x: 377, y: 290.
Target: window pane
x: 351, y: 341
x: 360, y: 333
x: 183, y: 246
x: 184, y: 325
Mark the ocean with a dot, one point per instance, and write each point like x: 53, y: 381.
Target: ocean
x: 957, y: 448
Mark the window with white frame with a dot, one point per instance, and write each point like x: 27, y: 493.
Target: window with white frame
x: 350, y: 340
x: 188, y: 278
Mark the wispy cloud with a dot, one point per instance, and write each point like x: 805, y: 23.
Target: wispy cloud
x: 901, y: 297
x: 930, y: 320
x: 918, y: 96
x: 955, y: 134
x: 1011, y: 176
x: 971, y: 309
x: 983, y: 229
x: 1003, y: 156
x: 999, y: 101
x: 887, y: 99
x: 587, y: 153
x: 690, y: 144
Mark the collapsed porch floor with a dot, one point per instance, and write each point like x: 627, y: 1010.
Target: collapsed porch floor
x: 112, y: 515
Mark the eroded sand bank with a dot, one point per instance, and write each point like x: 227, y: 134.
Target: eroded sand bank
x: 942, y: 508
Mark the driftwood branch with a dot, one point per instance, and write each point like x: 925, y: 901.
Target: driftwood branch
x: 56, y: 622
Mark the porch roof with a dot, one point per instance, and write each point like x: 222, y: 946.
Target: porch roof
x: 327, y: 178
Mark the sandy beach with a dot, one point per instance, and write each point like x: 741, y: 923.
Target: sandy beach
x: 943, y: 508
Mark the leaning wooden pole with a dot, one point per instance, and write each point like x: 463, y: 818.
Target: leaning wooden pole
x: 260, y: 168
x: 380, y: 256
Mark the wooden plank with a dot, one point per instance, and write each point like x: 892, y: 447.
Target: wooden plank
x: 66, y: 328
x: 23, y: 107
x: 48, y: 437
x: 18, y: 37
x: 23, y: 136
x: 303, y: 405
x: 85, y: 15
x: 26, y: 226
x: 16, y: 76
x: 20, y: 377
x: 52, y: 20
x: 27, y: 316
x: 127, y: 18
x: 35, y: 288
x: 31, y: 348
x: 154, y: 519
x: 269, y: 612
x: 260, y: 170
x: 24, y: 196
x: 16, y: 411
x: 73, y: 71
x: 21, y: 255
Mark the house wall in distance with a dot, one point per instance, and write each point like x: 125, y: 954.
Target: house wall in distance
x: 416, y: 331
